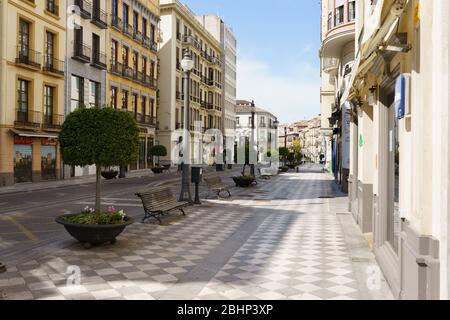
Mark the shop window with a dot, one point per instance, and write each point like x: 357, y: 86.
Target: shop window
x: 23, y: 161
x: 48, y: 162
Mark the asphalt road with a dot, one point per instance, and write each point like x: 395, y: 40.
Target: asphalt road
x: 27, y: 220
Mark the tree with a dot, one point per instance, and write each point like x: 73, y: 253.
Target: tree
x: 158, y: 151
x: 296, y: 146
x: 284, y: 153
x: 101, y: 137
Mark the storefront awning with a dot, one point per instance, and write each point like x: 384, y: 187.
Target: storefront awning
x: 33, y: 134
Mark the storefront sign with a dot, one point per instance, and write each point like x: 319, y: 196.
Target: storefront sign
x: 49, y: 142
x: 23, y: 140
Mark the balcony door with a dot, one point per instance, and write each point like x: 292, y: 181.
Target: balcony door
x: 24, y: 39
x: 22, y: 100
x: 48, y: 104
x: 96, y: 47
x: 49, y: 50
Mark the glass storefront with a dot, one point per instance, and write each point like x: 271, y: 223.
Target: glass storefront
x: 142, y: 154
x: 48, y: 162
x: 23, y: 160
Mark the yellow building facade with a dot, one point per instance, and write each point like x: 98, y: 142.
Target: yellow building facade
x: 131, y: 80
x: 32, y: 54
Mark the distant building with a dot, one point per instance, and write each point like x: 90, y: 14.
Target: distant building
x: 266, y: 126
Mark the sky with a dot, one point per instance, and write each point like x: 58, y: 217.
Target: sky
x: 278, y: 59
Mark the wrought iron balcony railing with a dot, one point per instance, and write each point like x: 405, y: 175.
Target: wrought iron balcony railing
x: 99, y: 18
x: 53, y: 121
x: 27, y: 118
x: 99, y: 59
x: 81, y: 52
x: 53, y: 65
x: 85, y: 8
x: 29, y: 57
x: 116, y: 23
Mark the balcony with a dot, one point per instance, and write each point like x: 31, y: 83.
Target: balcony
x: 179, y: 36
x: 85, y: 8
x: 52, y: 7
x: 28, y: 57
x: 116, y: 23
x: 27, y: 119
x: 145, y: 120
x: 53, y: 65
x: 330, y: 65
x: 179, y: 95
x: 128, y: 72
x: 137, y: 35
x: 99, y: 60
x: 190, y: 40
x: 53, y: 121
x: 99, y: 18
x: 154, y: 47
x: 81, y: 52
x: 145, y: 41
x: 116, y: 68
x: 127, y: 29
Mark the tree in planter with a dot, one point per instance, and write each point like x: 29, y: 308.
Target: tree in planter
x: 158, y: 151
x: 101, y: 137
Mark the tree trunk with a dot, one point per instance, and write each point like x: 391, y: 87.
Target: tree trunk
x: 98, y: 189
x: 243, y: 170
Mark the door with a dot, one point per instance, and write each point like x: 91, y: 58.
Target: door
x: 24, y: 40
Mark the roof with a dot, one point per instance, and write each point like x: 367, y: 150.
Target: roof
x: 244, y: 106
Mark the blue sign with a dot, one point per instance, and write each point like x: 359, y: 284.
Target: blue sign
x: 402, y: 96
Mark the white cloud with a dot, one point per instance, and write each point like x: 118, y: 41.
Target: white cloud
x: 294, y: 95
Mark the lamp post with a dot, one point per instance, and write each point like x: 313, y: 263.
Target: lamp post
x: 187, y: 64
x: 252, y: 165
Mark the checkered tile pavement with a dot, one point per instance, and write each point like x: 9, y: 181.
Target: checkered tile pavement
x: 297, y: 251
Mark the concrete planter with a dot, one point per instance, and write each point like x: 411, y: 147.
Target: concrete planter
x: 90, y: 235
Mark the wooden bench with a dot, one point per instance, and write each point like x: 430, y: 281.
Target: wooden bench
x: 158, y: 202
x: 216, y: 185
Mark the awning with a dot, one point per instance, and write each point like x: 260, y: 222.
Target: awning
x: 33, y: 134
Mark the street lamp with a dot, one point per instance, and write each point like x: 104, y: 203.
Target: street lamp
x: 187, y: 64
x: 252, y: 165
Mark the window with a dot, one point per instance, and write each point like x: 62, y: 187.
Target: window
x: 94, y: 94
x: 96, y: 47
x: 134, y: 100
x: 144, y: 105
x: 114, y: 46
x: 144, y: 27
x: 125, y: 11
x: 152, y: 107
x: 114, y: 8
x: 144, y: 66
x: 49, y: 49
x: 125, y: 55
x: 351, y: 11
x: 135, y: 22
x: 135, y: 61
x: 24, y: 38
x: 339, y: 15
x: 48, y: 104
x: 77, y: 92
x: 330, y: 21
x: 237, y: 120
x: 22, y: 96
x: 152, y: 34
x: 124, y: 100
x: 113, y: 97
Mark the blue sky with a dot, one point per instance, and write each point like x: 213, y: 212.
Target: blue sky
x: 278, y: 64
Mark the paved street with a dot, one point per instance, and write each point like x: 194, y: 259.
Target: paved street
x: 287, y: 238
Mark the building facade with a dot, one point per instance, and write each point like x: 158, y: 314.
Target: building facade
x: 32, y: 54
x: 182, y: 31
x: 337, y: 56
x: 398, y: 94
x: 223, y: 33
x: 266, y: 127
x: 132, y: 39
x: 289, y: 133
x: 86, y: 61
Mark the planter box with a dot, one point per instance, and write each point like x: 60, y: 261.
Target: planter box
x: 93, y: 234
x: 243, y: 183
x: 109, y: 175
x: 158, y: 170
x: 284, y: 169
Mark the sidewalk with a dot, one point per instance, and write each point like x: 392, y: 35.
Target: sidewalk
x: 279, y: 240
x: 44, y: 185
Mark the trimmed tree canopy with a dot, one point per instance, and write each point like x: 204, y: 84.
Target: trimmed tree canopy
x: 283, y: 152
x: 158, y: 151
x: 104, y: 137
